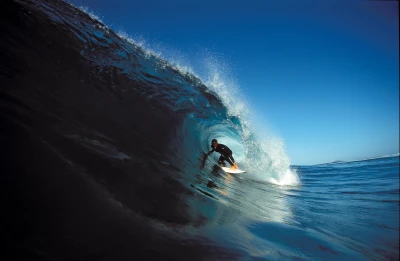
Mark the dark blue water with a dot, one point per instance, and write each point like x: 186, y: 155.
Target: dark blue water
x: 102, y: 148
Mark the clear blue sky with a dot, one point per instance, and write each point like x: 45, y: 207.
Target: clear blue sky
x: 324, y: 75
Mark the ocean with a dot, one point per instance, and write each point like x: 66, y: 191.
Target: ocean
x: 102, y: 158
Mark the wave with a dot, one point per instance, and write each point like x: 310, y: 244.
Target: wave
x: 103, y: 132
x: 229, y: 121
x: 103, y: 104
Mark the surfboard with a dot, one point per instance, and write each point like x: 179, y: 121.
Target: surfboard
x: 232, y: 171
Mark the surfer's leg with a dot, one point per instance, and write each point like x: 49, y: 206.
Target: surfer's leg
x: 221, y: 161
x: 231, y: 161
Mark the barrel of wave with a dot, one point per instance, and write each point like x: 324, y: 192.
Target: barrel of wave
x: 264, y: 159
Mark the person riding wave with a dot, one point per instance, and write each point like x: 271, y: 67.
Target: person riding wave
x: 226, y: 154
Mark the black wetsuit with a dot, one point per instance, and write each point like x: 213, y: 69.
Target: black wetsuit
x: 226, y: 154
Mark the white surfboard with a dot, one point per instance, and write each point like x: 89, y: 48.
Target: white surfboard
x: 232, y: 171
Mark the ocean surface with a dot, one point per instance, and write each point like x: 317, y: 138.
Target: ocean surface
x: 102, y: 158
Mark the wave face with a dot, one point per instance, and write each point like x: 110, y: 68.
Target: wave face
x: 102, y: 153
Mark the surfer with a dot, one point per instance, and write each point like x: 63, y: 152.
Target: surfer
x: 226, y: 154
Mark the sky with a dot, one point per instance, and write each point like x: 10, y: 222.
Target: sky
x: 322, y: 75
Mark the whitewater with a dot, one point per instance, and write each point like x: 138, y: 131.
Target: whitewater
x: 103, y: 144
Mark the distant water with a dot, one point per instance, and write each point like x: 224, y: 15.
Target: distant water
x: 102, y: 146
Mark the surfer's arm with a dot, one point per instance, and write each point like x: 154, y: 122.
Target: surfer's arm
x: 205, y: 158
x: 210, y: 152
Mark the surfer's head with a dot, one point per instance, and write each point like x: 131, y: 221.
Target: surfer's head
x: 214, y: 143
